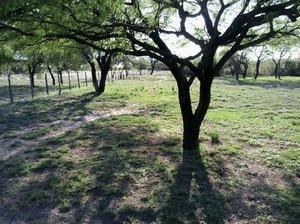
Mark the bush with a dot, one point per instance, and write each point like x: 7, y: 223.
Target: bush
x: 215, y: 138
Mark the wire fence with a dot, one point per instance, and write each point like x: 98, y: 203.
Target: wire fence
x: 19, y: 87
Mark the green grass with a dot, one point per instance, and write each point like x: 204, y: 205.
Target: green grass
x: 131, y: 168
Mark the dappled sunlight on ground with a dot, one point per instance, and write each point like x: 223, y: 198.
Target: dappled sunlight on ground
x: 117, y: 158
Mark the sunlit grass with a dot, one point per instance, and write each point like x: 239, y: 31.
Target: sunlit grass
x: 129, y: 169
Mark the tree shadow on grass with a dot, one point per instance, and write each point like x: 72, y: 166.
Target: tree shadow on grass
x: 50, y: 179
x: 24, y: 114
x: 93, y: 173
x: 193, y: 198
x: 23, y: 92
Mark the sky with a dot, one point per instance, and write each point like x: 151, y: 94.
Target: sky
x: 189, y: 49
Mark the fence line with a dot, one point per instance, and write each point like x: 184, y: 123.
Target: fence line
x: 10, y: 89
x: 46, y: 83
x: 42, y: 85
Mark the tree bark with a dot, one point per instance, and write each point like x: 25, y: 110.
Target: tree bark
x: 31, y: 75
x: 192, y: 121
x: 104, y: 72
x: 245, y: 71
x: 51, y: 74
x: 94, y: 75
x: 237, y: 76
x: 104, y: 63
x: 276, y: 70
x: 257, y: 69
x: 60, y: 75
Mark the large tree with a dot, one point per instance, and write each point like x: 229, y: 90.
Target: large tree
x: 144, y: 28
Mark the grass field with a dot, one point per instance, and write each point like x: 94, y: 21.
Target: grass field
x: 117, y: 158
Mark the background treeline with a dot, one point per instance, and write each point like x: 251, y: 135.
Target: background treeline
x: 291, y: 68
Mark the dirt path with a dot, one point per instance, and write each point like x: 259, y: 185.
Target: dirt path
x: 12, y: 147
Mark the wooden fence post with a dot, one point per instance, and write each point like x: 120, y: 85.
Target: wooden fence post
x: 86, y: 81
x: 69, y: 80
x: 78, y: 80
x: 31, y: 87
x: 46, y: 82
x: 59, y: 86
x: 10, y: 89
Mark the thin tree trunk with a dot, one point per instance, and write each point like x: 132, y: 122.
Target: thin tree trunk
x: 60, y: 75
x: 86, y: 81
x: 94, y: 74
x: 245, y: 71
x: 31, y: 75
x: 276, y: 71
x: 59, y: 84
x: 69, y: 80
x: 51, y: 74
x: 104, y: 72
x: 257, y: 69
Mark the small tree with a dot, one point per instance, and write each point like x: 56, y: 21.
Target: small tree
x: 238, y: 64
x: 261, y: 53
x: 279, y: 62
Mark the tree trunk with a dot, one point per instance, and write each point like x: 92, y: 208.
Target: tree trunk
x: 104, y: 72
x: 60, y: 75
x: 245, y: 71
x: 257, y: 69
x: 94, y: 74
x: 51, y: 74
x: 276, y: 71
x: 104, y: 63
x: 192, y: 121
x: 31, y: 76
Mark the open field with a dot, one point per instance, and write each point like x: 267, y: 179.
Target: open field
x: 117, y: 158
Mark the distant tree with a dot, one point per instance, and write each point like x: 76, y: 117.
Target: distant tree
x: 153, y: 62
x: 61, y: 55
x: 261, y: 53
x: 293, y: 67
x: 140, y: 64
x: 90, y: 55
x: 279, y: 62
x: 238, y: 64
x: 104, y: 60
x: 244, y: 58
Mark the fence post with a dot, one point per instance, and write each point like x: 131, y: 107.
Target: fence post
x: 59, y: 86
x: 31, y: 86
x: 86, y: 81
x: 78, y: 80
x: 69, y: 80
x: 10, y: 89
x: 46, y: 82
